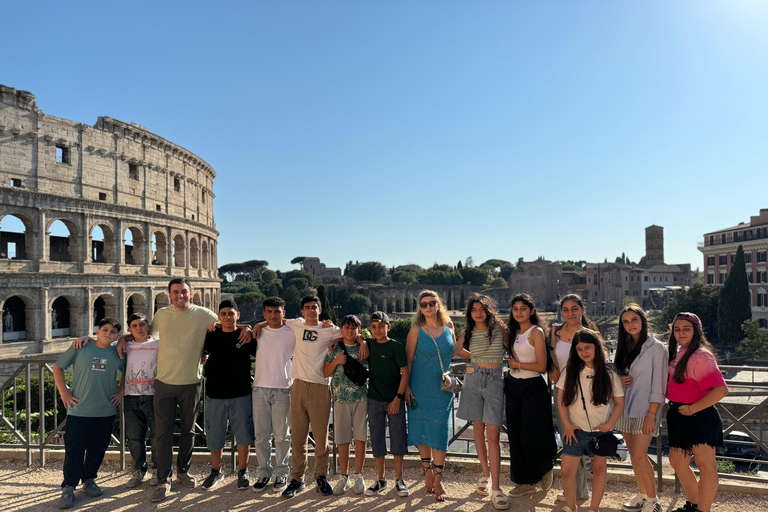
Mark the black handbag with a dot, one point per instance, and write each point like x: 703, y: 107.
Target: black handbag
x: 604, y: 444
x: 354, y: 369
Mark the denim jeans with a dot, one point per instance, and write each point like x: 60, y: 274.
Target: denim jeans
x: 585, y: 466
x: 272, y: 415
x: 140, y: 418
x: 85, y: 442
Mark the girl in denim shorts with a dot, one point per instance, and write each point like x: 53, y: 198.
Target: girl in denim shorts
x: 586, y: 372
x: 482, y: 397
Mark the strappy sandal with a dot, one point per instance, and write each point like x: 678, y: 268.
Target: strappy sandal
x: 438, y: 470
x: 426, y: 465
x: 484, y: 485
x: 499, y: 500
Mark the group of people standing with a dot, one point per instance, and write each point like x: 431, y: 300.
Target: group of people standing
x: 300, y: 374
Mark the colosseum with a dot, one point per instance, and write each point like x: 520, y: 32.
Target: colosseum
x: 94, y: 221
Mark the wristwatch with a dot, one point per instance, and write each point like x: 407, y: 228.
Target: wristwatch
x: 400, y: 396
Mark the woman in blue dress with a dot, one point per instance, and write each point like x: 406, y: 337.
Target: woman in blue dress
x: 429, y: 407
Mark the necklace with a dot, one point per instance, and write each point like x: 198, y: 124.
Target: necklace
x: 565, y: 333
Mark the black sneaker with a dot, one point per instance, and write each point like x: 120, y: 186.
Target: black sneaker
x: 294, y: 487
x: 243, y: 479
x: 213, y: 479
x: 323, y: 487
x: 280, y: 484
x: 402, y: 489
x: 688, y: 507
x: 377, y: 487
x: 260, y: 485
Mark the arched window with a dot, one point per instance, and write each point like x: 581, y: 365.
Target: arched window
x: 178, y: 251
x: 159, y: 248
x: 133, y: 241
x: 14, y: 319
x: 13, y: 238
x: 60, y: 242
x: 60, y: 318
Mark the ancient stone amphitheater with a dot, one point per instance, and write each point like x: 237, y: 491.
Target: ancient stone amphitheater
x: 94, y: 221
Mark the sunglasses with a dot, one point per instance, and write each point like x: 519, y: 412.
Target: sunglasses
x: 430, y: 304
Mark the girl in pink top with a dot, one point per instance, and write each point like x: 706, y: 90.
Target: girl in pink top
x: 694, y: 425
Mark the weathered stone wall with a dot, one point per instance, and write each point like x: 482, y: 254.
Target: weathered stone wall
x: 114, y: 175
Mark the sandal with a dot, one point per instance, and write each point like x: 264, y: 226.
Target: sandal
x: 426, y: 465
x: 438, y: 470
x: 484, y: 485
x: 499, y: 500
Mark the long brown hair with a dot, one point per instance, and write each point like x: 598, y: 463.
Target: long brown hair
x: 586, y: 322
x: 626, y: 348
x: 602, y: 387
x: 698, y: 341
x: 493, y: 321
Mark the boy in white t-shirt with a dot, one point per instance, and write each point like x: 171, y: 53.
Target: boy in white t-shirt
x: 141, y: 369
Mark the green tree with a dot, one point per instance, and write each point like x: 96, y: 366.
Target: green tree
x: 475, y: 276
x: 399, y: 330
x: 328, y: 312
x: 398, y: 308
x: 701, y: 299
x: 370, y: 271
x: 449, y: 300
x: 404, y: 276
x: 356, y: 304
x: 407, y: 305
x: 735, y: 305
x: 755, y: 342
x: 499, y: 282
x: 292, y: 297
x: 459, y: 266
x: 462, y: 299
x: 298, y: 260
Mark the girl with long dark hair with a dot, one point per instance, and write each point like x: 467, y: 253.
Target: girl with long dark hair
x: 587, y: 389
x: 532, y: 447
x: 695, y: 429
x: 482, y: 397
x: 641, y: 362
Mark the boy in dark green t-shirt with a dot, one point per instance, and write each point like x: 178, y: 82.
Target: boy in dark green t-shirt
x: 389, y: 378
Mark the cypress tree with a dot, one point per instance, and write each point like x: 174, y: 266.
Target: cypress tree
x: 735, y: 305
x: 448, y: 301
x: 462, y: 300
x: 328, y: 312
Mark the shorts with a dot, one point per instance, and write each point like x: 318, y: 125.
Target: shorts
x: 378, y: 419
x: 582, y: 446
x: 350, y: 421
x: 685, y: 432
x: 482, y: 397
x: 629, y: 425
x: 237, y: 412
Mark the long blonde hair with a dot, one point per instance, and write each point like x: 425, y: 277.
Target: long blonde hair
x: 419, y: 318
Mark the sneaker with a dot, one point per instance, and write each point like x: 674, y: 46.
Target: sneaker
x: 160, y: 492
x: 688, y: 507
x: 136, y: 479
x: 359, y: 487
x: 186, y: 480
x: 294, y: 487
x: 323, y: 487
x: 651, y: 505
x: 561, y: 497
x: 261, y: 484
x: 243, y: 479
x: 546, y: 481
x: 377, y: 487
x: 402, y: 489
x: 213, y: 479
x: 522, y: 490
x: 67, y: 499
x: 280, y: 484
x: 342, y: 485
x: 91, y: 489
x: 154, y: 480
x: 634, y: 505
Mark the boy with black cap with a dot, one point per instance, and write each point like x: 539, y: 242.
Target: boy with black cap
x: 228, y: 395
x: 386, y: 405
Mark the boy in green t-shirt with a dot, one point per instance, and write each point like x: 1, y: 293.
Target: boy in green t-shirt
x: 90, y: 408
x: 350, y: 406
x: 389, y: 378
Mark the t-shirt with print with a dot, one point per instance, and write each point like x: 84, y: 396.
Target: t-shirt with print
x: 701, y: 375
x: 141, y: 367
x: 311, y: 347
x: 598, y: 414
x: 343, y: 389
x: 273, y: 358
x: 94, y: 378
x: 228, y: 369
x: 385, y: 361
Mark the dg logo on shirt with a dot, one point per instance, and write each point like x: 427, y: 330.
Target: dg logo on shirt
x: 310, y: 336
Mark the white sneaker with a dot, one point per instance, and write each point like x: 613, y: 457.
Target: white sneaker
x: 634, y: 505
x: 342, y: 485
x: 359, y: 487
x: 651, y: 505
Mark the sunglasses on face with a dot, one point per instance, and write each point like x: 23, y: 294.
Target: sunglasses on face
x: 430, y: 304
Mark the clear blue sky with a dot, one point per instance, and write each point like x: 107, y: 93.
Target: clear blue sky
x: 430, y: 131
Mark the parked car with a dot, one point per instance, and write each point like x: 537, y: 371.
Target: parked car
x: 738, y: 444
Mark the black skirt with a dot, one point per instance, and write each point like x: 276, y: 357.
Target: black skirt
x: 685, y: 432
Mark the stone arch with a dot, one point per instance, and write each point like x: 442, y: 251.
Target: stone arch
x: 62, y: 241
x: 178, y: 251
x: 135, y: 303
x: 196, y: 300
x: 102, y: 251
x: 65, y: 316
x: 205, y: 255
x: 159, y: 248
x: 161, y: 300
x: 17, y: 323
x: 193, y: 253
x: 207, y: 300
x: 133, y: 246
x: 13, y: 236
x: 103, y: 306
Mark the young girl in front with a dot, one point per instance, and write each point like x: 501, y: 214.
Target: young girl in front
x: 584, y: 416
x: 532, y: 446
x: 695, y: 429
x: 482, y: 397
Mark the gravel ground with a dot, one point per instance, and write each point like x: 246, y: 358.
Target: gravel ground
x: 36, y: 488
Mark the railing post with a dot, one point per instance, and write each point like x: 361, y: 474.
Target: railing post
x: 41, y: 430
x: 122, y: 437
x: 28, y: 404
